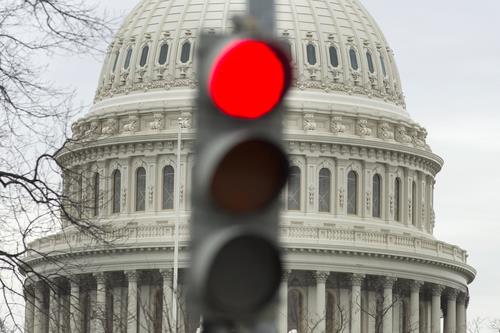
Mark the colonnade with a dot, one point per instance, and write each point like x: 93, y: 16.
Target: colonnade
x: 140, y: 302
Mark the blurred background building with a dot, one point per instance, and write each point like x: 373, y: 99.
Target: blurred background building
x: 358, y: 216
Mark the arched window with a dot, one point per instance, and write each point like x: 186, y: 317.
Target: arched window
x: 140, y: 189
x: 382, y: 64
x: 162, y: 58
x: 325, y: 181
x: 354, y: 59
x: 126, y: 65
x: 168, y: 188
x: 115, y: 62
x: 369, y: 59
x: 144, y: 56
x: 414, y: 203
x: 293, y: 200
x: 311, y: 54
x: 96, y: 194
x: 352, y: 193
x: 117, y: 184
x: 295, y: 310
x: 377, y: 186
x: 334, y: 56
x: 397, y: 199
x: 331, y: 308
x: 288, y: 50
x: 185, y: 52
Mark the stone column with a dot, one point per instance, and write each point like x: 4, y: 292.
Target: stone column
x: 38, y: 325
x: 321, y: 278
x: 371, y: 309
x: 396, y: 313
x: 461, y: 313
x: 29, y: 308
x: 356, y: 280
x: 118, y: 300
x: 53, y: 307
x: 167, y: 320
x: 283, y: 307
x: 100, y: 310
x: 74, y: 309
x: 415, y: 305
x: 451, y: 311
x: 436, y: 308
x: 132, y: 301
x: 388, y: 304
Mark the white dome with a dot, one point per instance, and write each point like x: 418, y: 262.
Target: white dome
x: 339, y: 53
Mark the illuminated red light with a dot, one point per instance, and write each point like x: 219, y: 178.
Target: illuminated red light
x: 248, y: 79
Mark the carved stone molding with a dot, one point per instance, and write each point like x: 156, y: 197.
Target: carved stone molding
x: 437, y: 290
x: 321, y: 276
x: 362, y: 128
x: 356, y: 279
x: 167, y: 274
x: 415, y: 285
x: 452, y: 294
x: 388, y: 282
x: 309, y: 122
x: 132, y: 276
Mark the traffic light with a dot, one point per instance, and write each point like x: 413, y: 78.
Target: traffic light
x: 239, y: 173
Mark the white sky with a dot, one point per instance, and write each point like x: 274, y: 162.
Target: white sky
x: 448, y: 53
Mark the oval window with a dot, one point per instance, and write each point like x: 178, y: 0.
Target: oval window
x: 128, y: 58
x: 144, y: 56
x: 162, y: 59
x: 334, y: 56
x: 185, y: 52
x: 369, y: 59
x: 311, y: 54
x: 354, y: 59
x: 117, y: 55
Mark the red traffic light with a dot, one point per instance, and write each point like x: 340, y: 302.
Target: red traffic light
x: 248, y: 78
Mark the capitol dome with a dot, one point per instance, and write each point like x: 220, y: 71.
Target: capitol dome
x: 358, y: 213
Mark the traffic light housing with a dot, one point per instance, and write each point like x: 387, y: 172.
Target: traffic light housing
x: 240, y: 170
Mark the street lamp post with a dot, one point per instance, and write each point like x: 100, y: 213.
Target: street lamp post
x: 177, y: 223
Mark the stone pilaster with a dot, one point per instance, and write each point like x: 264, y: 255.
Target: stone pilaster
x: 75, y: 310
x: 451, y: 311
x: 388, y: 303
x: 436, y: 308
x: 100, y: 310
x: 356, y: 281
x: 461, y: 313
x: 29, y: 309
x: 415, y: 305
x: 321, y: 278
x: 132, y: 277
x: 167, y: 320
x: 283, y: 306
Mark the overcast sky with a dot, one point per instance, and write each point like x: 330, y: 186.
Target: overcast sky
x: 448, y: 53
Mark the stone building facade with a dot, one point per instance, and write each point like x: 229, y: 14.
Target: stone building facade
x: 358, y: 216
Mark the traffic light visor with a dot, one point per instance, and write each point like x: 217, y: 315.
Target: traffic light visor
x: 248, y: 78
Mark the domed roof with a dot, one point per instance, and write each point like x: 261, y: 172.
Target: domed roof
x: 337, y: 50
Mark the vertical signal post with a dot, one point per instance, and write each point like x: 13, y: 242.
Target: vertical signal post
x: 240, y: 170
